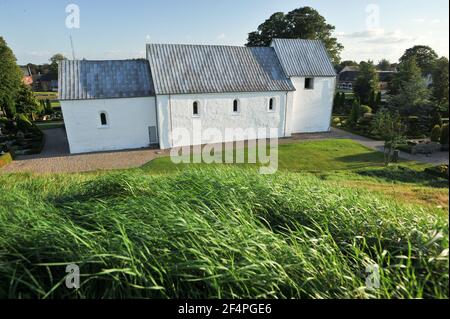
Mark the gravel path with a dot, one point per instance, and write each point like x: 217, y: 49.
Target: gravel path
x: 55, y: 157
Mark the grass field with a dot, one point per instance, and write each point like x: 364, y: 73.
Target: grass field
x: 222, y: 231
x: 225, y: 233
x: 52, y: 96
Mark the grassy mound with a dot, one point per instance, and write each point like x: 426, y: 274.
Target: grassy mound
x: 225, y: 233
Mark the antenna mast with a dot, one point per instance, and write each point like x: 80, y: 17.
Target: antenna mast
x: 71, y: 44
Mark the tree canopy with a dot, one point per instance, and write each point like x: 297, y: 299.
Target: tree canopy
x: 384, y: 65
x: 301, y: 23
x: 424, y: 55
x: 367, y: 81
x: 441, y: 81
x: 10, y: 76
x: 53, y: 68
x: 26, y: 103
x: 409, y: 92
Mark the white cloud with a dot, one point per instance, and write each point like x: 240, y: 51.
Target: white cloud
x: 221, y: 36
x: 365, y: 34
x: 419, y: 20
x: 375, y: 44
x: 435, y: 21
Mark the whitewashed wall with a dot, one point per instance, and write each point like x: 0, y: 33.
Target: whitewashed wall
x: 128, y: 122
x: 312, y: 108
x: 216, y: 111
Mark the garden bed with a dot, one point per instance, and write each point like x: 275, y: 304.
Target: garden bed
x: 21, y: 137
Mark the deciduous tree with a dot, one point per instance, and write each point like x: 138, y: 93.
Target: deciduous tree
x: 424, y: 55
x: 301, y: 23
x: 441, y: 81
x: 10, y: 77
x: 389, y: 126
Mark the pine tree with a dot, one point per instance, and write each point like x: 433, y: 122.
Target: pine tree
x: 378, y: 101
x: 354, y: 114
x: 372, y: 100
x: 343, y: 102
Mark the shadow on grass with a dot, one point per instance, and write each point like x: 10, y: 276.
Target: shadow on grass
x: 405, y: 175
x: 371, y: 159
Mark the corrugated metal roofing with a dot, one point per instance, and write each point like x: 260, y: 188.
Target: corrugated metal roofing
x: 184, y: 69
x: 83, y: 80
x: 303, y: 57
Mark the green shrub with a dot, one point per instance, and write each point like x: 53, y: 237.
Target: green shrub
x: 444, y: 135
x: 436, y: 134
x: 336, y: 121
x: 25, y: 125
x: 5, y: 159
x: 439, y: 171
x: 364, y: 109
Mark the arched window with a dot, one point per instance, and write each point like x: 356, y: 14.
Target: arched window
x: 272, y: 104
x: 235, y: 106
x: 195, y: 108
x: 103, y: 119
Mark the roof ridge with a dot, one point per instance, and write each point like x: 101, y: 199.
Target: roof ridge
x: 207, y: 45
x: 112, y: 60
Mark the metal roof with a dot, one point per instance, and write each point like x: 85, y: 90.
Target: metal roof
x: 185, y: 69
x: 84, y: 80
x: 303, y: 57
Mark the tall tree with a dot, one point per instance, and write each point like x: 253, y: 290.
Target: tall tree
x: 301, y: 23
x: 408, y: 71
x: 366, y: 82
x: 384, y: 65
x: 409, y: 94
x: 424, y: 55
x: 441, y: 81
x: 10, y: 76
x: 54, y: 60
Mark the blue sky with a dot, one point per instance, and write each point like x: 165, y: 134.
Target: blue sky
x: 119, y: 29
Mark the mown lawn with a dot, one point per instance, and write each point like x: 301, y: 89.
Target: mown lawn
x: 312, y: 156
x: 225, y: 231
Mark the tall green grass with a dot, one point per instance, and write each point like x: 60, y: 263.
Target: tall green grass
x: 217, y: 233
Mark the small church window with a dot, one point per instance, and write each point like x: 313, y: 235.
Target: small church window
x: 103, y: 119
x: 235, y: 106
x: 195, y: 108
x: 272, y: 104
x: 309, y: 83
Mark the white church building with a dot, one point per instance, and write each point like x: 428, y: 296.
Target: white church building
x: 126, y: 104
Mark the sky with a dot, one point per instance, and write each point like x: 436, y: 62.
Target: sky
x: 118, y: 29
